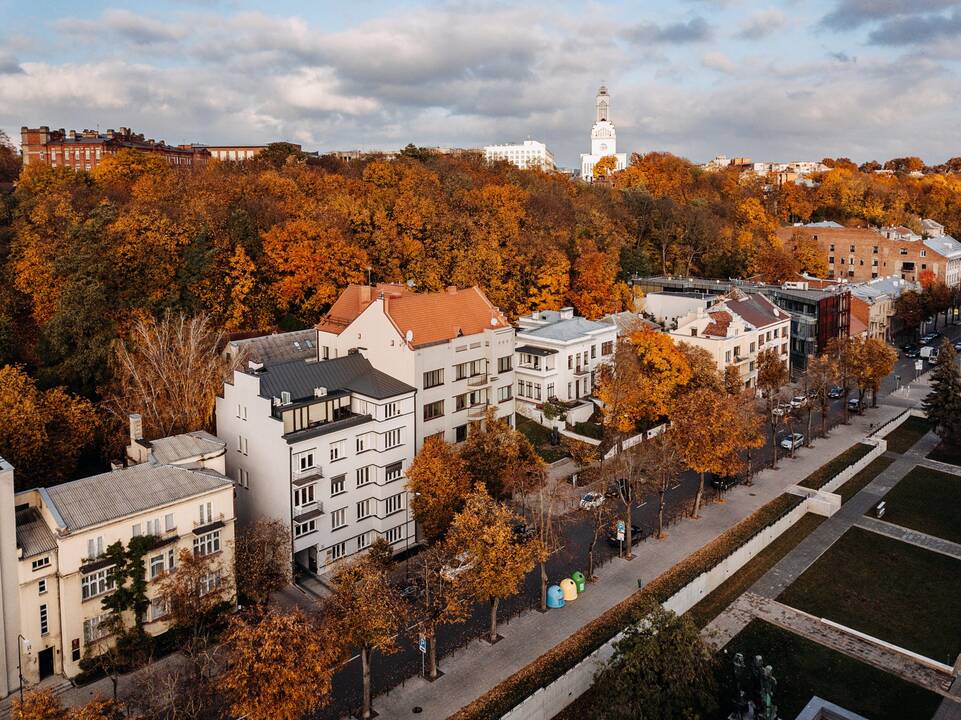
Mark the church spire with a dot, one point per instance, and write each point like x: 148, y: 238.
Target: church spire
x: 603, y: 104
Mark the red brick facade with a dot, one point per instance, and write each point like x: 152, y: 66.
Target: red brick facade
x: 84, y: 150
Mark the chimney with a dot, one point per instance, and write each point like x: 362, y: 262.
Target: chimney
x: 452, y: 289
x: 365, y: 294
x: 567, y: 313
x: 136, y: 427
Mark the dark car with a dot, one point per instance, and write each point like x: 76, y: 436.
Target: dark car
x: 911, y: 351
x: 612, y: 540
x: 836, y: 392
x: 523, y: 532
x: 723, y: 483
x: 855, y: 405
x: 616, y: 489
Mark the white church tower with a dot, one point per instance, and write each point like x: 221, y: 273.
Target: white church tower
x: 603, y: 137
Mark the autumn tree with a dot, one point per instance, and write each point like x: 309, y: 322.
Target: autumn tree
x: 909, y: 308
x: 366, y: 613
x: 601, y: 514
x: 661, y: 670
x: 845, y: 353
x: 733, y: 385
x: 879, y: 360
x: 821, y: 375
x: 39, y: 705
x: 594, y: 287
x: 943, y: 403
x: 277, y: 666
x: 704, y: 373
x: 262, y: 560
x: 709, y: 430
x: 539, y: 503
x: 440, y: 599
x: 499, y: 457
x: 625, y: 475
x: 100, y: 709
x: 496, y: 559
x: 662, y: 465
x: 438, y: 481
x: 10, y: 162
x: 44, y: 432
x: 170, y: 371
x: 195, y: 594
x: 772, y: 376
x: 605, y: 166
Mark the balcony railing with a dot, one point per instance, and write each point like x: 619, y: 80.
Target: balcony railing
x: 476, y: 412
x: 479, y: 380
x: 219, y: 517
x: 300, y: 476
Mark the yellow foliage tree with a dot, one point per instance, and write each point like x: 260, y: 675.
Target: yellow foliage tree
x: 594, y: 288
x: 241, y: 279
x: 605, y: 166
x: 439, y: 483
x: 551, y: 282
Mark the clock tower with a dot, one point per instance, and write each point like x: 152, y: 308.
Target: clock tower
x: 603, y: 137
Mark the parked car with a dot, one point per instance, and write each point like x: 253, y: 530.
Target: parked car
x: 793, y: 441
x: 612, y: 540
x: 616, y: 488
x: 911, y: 351
x: 933, y: 356
x: 957, y: 346
x: 927, y: 351
x: 592, y: 500
x: 836, y: 392
x: 855, y: 405
x: 724, y: 482
x: 523, y: 532
x: 797, y: 401
x: 463, y: 564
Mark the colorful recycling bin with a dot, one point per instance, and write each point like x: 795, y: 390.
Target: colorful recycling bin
x: 555, y: 597
x: 569, y: 589
x: 579, y: 580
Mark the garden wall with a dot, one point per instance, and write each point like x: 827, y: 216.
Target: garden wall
x: 880, y: 447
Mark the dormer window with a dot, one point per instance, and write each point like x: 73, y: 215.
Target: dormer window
x: 694, y: 332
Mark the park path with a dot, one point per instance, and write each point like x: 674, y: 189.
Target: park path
x: 912, y: 537
x: 472, y: 671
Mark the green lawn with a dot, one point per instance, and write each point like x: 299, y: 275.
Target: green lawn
x: 728, y: 591
x: 946, y: 453
x: 589, y: 429
x: 886, y: 588
x: 928, y: 501
x: 853, y: 486
x: 540, y: 438
x: 823, y: 474
x: 902, y: 438
x: 804, y: 669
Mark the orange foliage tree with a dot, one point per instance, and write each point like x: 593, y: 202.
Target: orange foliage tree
x: 439, y: 482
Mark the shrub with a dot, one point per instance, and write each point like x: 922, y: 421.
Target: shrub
x: 551, y: 665
x: 823, y: 475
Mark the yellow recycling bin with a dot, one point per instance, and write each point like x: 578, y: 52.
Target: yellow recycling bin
x: 569, y: 588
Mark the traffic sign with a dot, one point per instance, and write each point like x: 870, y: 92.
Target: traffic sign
x: 620, y: 530
x: 422, y: 644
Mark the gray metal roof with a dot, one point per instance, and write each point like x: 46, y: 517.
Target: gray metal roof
x: 944, y: 245
x: 564, y: 330
x: 891, y: 286
x: 108, y: 496
x: 176, y: 448
x: 351, y: 372
x: 279, y: 347
x: 33, y: 535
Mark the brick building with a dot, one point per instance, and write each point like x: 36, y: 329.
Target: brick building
x: 85, y: 149
x: 237, y: 152
x: 861, y: 254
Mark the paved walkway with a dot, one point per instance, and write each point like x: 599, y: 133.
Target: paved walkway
x: 532, y: 634
x: 913, y: 537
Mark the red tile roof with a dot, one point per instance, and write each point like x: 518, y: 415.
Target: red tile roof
x: 720, y: 321
x: 430, y: 317
x: 756, y: 309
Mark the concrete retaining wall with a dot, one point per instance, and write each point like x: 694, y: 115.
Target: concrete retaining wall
x: 880, y: 447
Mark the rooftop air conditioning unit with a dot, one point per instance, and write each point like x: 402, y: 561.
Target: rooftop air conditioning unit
x: 320, y: 392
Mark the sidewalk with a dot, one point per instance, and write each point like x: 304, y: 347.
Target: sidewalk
x: 532, y: 634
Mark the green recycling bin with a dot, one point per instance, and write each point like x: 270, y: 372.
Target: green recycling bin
x: 579, y: 580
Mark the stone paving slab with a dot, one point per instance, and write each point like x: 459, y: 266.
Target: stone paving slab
x: 913, y: 537
x: 940, y: 466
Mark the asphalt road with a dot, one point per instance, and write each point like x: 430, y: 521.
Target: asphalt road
x: 388, y: 671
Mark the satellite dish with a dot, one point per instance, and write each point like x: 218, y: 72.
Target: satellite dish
x: 494, y: 321
x: 409, y: 336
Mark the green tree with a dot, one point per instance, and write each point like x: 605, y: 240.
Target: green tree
x: 660, y: 670
x: 943, y: 403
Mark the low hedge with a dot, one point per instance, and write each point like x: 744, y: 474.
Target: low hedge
x: 823, y: 475
x: 502, y: 698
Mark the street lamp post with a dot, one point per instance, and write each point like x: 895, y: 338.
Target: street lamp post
x: 26, y: 649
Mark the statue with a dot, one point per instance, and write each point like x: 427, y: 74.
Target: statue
x: 768, y: 710
x: 740, y: 688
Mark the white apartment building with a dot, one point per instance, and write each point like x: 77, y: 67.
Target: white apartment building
x: 529, y: 154
x: 668, y: 307
x: 322, y: 446
x: 454, y: 347
x: 62, y: 533
x: 557, y: 356
x: 736, y: 329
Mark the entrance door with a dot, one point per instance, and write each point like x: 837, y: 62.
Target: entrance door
x: 46, y: 663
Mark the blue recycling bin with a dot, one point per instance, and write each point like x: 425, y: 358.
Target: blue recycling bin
x: 555, y: 597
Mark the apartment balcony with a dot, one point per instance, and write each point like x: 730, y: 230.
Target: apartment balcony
x: 540, y: 369
x: 307, y: 476
x: 582, y: 370
x: 211, y: 523
x: 476, y: 381
x: 476, y: 412
x: 741, y: 359
x: 303, y: 513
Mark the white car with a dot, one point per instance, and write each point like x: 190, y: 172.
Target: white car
x: 592, y: 500
x: 793, y: 441
x: 797, y: 401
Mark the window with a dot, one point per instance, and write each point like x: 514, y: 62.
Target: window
x: 433, y: 378
x: 206, y: 516
x: 169, y: 523
x: 504, y: 364
x: 433, y: 410
x: 753, y: 347
x: 305, y: 461
x: 363, y: 442
x: 394, y: 503
x: 305, y: 495
x: 363, y: 541
x: 392, y: 438
x: 852, y: 248
x: 570, y: 362
x: 153, y: 527
x: 96, y: 583
x: 158, y: 609
x: 338, y: 450
x: 391, y: 410
x: 157, y: 565
x: 171, y: 558
x: 875, y: 250
x: 924, y: 253
x: 94, y: 547
x: 903, y: 251
x: 44, y: 625
x: 504, y: 393
x: 242, y: 444
x: 40, y: 563
x: 94, y: 628
x: 460, y: 402
x: 607, y: 347
x: 393, y: 471
x: 832, y: 247
x: 461, y: 371
x: 207, y: 543
x: 364, y: 509
x: 593, y: 351
x: 550, y: 390
x: 460, y: 433
x: 75, y: 649
x: 243, y: 478
x: 727, y: 357
x: 336, y: 552
x: 363, y: 475
x: 305, y: 528
x: 209, y: 582
x: 135, y: 531
x: 338, y: 519
x: 830, y: 259
x: 42, y: 587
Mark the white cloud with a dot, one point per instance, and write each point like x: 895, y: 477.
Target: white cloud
x: 718, y: 61
x: 761, y: 23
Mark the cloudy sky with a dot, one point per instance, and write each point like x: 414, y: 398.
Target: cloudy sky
x: 799, y: 79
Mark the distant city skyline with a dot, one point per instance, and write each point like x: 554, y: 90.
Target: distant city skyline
x: 775, y: 81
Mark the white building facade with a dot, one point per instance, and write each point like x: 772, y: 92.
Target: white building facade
x: 452, y: 346
x: 603, y: 138
x: 529, y: 154
x: 324, y: 447
x: 557, y: 357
